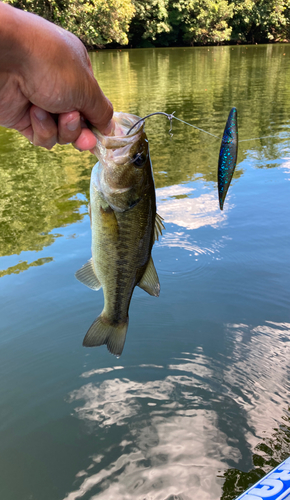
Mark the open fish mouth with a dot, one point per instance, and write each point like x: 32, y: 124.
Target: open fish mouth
x: 120, y: 148
x: 123, y: 123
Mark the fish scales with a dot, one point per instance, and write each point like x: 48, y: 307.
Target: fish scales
x: 117, y: 256
x: 124, y: 226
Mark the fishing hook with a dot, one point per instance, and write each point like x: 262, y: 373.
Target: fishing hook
x: 169, y: 116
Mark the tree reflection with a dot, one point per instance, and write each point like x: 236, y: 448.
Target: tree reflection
x: 267, y: 455
x: 41, y: 191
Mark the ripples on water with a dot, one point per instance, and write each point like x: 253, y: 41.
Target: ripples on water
x: 177, y: 430
x: 198, y: 404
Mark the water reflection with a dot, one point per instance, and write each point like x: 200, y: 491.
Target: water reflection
x: 187, y: 212
x: 260, y: 366
x: 184, y: 209
x: 170, y: 446
x: 181, y: 425
x: 23, y: 266
x: 38, y: 188
x: 286, y: 165
x: 267, y: 454
x: 37, y: 192
x: 204, y: 424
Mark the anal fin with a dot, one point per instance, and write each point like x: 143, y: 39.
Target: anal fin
x: 149, y: 281
x: 87, y: 276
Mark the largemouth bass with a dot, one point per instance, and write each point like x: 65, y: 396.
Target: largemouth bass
x: 124, y: 227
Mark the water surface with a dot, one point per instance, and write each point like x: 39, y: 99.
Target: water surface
x: 198, y: 404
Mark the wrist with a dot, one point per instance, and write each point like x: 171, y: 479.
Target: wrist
x: 26, y: 40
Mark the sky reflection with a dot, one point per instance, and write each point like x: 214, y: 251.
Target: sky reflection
x: 260, y: 366
x: 187, y: 212
x: 173, y: 447
x: 175, y: 440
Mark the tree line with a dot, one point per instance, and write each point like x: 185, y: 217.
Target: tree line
x: 162, y: 23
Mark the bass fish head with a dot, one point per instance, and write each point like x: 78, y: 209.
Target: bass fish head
x: 124, y: 171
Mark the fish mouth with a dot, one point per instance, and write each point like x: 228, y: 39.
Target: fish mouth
x: 117, y: 148
x: 123, y: 123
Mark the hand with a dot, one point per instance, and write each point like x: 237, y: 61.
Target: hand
x: 47, y: 87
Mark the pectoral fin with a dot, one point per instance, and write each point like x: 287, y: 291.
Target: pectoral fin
x: 158, y: 227
x: 149, y: 281
x: 87, y: 276
x: 90, y: 213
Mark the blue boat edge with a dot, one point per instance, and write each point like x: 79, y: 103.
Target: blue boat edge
x: 274, y: 486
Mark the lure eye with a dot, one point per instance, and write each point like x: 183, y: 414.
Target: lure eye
x: 139, y: 159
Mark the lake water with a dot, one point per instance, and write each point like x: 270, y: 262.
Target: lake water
x: 197, y: 406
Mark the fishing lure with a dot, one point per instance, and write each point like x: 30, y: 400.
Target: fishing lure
x: 228, y: 156
x: 274, y: 486
x: 228, y: 151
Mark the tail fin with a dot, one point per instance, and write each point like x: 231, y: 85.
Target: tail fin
x: 102, y: 332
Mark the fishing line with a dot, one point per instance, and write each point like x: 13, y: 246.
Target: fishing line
x: 171, y: 116
x: 201, y: 129
x: 257, y: 138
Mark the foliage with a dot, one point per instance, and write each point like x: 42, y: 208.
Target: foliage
x: 142, y: 23
x: 150, y: 19
x: 95, y: 22
x: 204, y: 21
x: 98, y: 22
x: 261, y: 20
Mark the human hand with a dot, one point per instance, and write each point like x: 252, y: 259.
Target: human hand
x: 47, y: 87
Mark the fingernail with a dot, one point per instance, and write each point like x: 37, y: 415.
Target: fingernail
x: 73, y: 124
x: 40, y: 114
x: 80, y: 150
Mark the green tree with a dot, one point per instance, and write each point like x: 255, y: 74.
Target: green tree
x: 149, y: 21
x: 95, y: 22
x: 261, y: 20
x: 98, y: 22
x: 204, y: 21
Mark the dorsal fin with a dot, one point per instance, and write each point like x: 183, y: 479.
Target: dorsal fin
x: 87, y: 276
x: 158, y: 226
x: 149, y: 281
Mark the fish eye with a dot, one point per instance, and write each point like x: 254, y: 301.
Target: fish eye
x: 139, y: 159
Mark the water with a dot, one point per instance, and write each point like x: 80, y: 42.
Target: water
x: 198, y: 404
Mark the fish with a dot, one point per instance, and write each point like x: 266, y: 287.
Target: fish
x: 228, y: 156
x: 124, y: 226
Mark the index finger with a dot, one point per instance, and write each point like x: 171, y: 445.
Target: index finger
x: 97, y: 108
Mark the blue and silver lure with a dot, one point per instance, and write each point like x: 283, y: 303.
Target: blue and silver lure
x: 274, y: 486
x: 228, y: 152
x: 228, y: 156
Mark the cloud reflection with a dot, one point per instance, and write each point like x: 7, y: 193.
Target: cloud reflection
x: 286, y: 166
x: 261, y: 368
x: 171, y: 447
x: 187, y: 212
x: 174, y: 435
